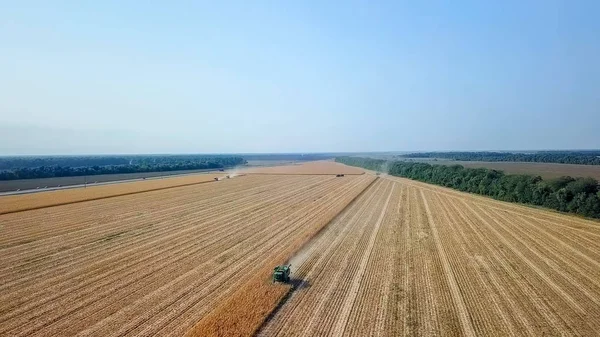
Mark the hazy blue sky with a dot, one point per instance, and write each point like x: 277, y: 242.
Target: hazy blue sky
x: 298, y: 76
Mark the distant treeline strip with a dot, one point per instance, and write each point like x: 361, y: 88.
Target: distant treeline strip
x: 561, y: 157
x: 17, y: 162
x: 566, y: 194
x: 159, y: 164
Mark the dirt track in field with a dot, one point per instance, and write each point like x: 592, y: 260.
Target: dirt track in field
x: 153, y: 262
x: 414, y: 259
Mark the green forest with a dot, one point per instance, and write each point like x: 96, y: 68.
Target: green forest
x: 562, y: 157
x: 565, y: 194
x: 13, y: 168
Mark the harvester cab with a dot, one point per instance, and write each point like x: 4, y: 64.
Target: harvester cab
x: 282, y: 273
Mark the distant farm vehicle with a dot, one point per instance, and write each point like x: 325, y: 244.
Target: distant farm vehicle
x: 282, y: 273
x: 339, y: 175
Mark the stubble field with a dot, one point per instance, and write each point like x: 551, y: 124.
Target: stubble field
x: 370, y: 256
x: 413, y: 259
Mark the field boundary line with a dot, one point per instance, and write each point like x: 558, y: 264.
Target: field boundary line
x: 463, y: 313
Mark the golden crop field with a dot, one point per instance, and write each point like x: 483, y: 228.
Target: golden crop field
x: 23, y: 202
x: 370, y: 256
x: 154, y: 262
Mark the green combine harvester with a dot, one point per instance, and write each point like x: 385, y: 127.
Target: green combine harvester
x: 282, y: 273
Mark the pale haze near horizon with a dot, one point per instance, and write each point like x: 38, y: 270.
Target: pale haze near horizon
x: 104, y: 77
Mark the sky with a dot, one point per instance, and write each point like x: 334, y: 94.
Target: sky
x: 112, y: 77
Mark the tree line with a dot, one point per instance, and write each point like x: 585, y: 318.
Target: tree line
x: 141, y: 164
x: 19, y: 162
x: 562, y: 157
x: 566, y: 194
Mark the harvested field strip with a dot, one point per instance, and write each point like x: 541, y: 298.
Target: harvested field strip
x: 349, y: 301
x: 444, y: 262
x: 160, y: 271
x: 541, y: 268
x: 483, y: 316
x: 524, y: 310
x: 19, y: 203
x: 457, y: 298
